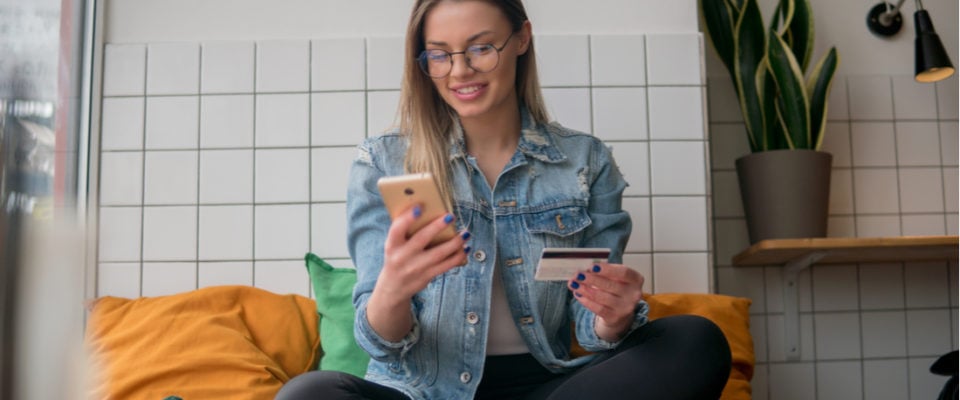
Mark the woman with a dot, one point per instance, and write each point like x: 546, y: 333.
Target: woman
x: 464, y: 318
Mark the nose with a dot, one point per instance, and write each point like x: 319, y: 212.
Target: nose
x: 460, y: 65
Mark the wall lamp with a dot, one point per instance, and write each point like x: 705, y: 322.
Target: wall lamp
x: 931, y: 59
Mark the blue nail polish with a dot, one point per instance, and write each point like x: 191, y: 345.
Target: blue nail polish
x: 448, y: 218
x: 465, y: 235
x: 417, y: 212
x: 575, y: 285
x: 466, y: 249
x: 596, y: 268
x: 581, y: 276
x: 577, y: 294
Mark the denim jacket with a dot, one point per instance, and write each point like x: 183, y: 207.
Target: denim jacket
x: 561, y: 188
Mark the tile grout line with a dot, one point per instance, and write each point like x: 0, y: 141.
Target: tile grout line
x: 650, y: 227
x: 196, y: 263
x: 143, y: 168
x: 310, y: 152
x: 253, y: 189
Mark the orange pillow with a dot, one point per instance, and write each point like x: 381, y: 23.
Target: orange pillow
x: 731, y: 314
x: 234, y: 342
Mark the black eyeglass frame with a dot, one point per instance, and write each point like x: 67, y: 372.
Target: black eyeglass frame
x: 422, y: 58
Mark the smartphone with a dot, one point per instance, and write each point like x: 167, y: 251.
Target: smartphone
x: 401, y: 192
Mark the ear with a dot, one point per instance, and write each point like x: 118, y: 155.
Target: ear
x: 524, y: 37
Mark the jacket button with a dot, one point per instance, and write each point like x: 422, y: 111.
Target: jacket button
x: 465, y: 377
x: 479, y: 255
x: 472, y: 318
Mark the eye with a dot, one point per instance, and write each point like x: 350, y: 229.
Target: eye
x: 436, y: 56
x: 480, y: 49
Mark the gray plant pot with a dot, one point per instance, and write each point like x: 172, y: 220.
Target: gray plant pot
x: 785, y: 193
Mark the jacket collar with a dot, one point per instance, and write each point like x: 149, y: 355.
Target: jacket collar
x: 535, y: 140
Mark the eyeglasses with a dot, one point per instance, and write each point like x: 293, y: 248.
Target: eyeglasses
x: 438, y: 63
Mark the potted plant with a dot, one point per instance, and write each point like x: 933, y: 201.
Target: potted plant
x: 785, y: 180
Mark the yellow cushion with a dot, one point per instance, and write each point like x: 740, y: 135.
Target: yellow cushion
x: 234, y: 342
x: 731, y: 314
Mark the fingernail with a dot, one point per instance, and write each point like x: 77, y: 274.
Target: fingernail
x: 581, y: 277
x: 465, y: 235
x: 448, y: 218
x: 596, y: 268
x: 416, y: 212
x: 575, y: 285
x: 577, y: 294
x: 466, y: 249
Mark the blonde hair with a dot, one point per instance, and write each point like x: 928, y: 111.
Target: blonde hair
x: 428, y: 120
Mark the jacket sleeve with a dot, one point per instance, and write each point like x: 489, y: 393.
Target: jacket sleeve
x: 610, y: 227
x: 367, y: 225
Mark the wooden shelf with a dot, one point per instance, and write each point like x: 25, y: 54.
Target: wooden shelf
x: 795, y: 255
x: 851, y: 250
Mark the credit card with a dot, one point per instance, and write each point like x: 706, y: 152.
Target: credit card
x: 561, y: 264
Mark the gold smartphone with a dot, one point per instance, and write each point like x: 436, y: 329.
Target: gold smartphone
x: 401, y: 192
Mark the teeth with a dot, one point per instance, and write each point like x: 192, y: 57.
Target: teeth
x: 468, y: 90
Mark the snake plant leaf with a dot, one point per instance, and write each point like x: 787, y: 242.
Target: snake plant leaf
x: 749, y: 45
x: 800, y: 30
x: 782, y: 17
x: 772, y: 137
x: 719, y: 18
x: 818, y: 86
x: 793, y: 108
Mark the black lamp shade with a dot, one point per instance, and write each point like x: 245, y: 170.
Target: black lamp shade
x: 932, y: 62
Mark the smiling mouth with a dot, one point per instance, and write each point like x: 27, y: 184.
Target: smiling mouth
x: 468, y: 89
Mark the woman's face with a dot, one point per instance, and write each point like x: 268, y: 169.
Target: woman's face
x: 454, y: 27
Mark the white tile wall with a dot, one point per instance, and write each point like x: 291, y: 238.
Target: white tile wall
x: 617, y: 60
x: 384, y: 63
x: 570, y: 107
x: 283, y: 66
x: 225, y: 169
x: 226, y: 233
x: 634, y: 162
x: 872, y: 330
x: 885, y: 379
x: 122, y: 127
x: 675, y: 113
x: 337, y: 118
x: 225, y: 176
x: 169, y: 233
x: 620, y: 113
x: 217, y: 273
x: 227, y: 67
x: 172, y: 122
x: 564, y: 60
x: 282, y: 120
x: 839, y: 380
x: 173, y: 68
x: 226, y: 121
x: 124, y: 70
x: 338, y: 64
x: 170, y: 177
x: 674, y: 59
x: 121, y: 177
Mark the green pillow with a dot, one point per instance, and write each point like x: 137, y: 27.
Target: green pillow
x: 333, y: 290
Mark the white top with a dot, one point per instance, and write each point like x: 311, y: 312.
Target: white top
x: 503, y: 337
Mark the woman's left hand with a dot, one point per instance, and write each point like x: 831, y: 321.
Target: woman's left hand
x: 612, y: 292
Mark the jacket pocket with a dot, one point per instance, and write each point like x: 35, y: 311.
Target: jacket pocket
x: 558, y: 227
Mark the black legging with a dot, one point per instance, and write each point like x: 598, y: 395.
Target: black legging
x: 679, y: 357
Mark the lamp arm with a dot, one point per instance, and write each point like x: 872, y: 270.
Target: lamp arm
x: 886, y: 19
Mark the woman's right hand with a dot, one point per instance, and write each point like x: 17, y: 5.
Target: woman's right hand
x: 408, y: 267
